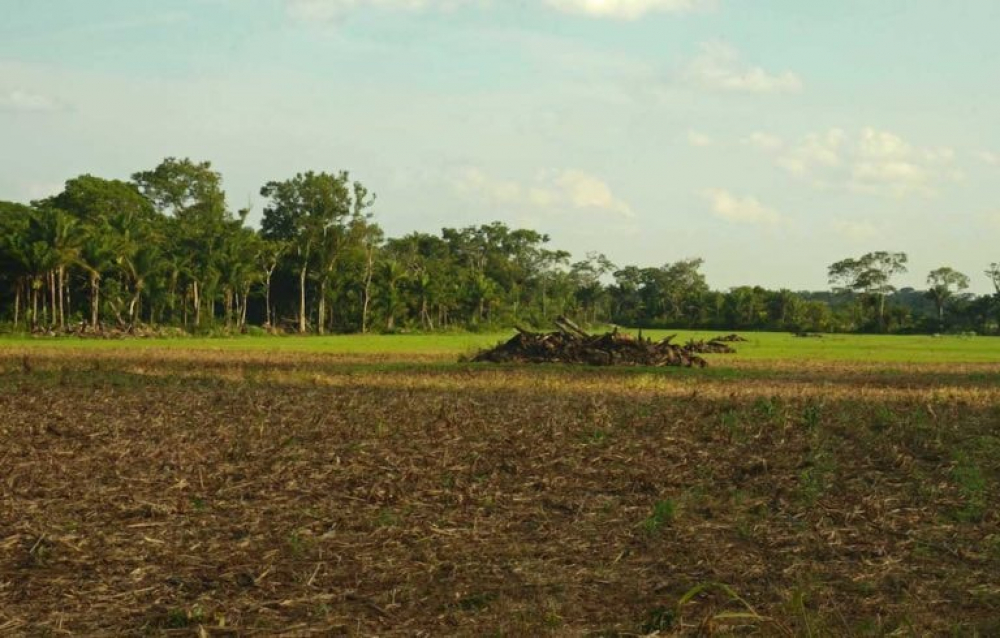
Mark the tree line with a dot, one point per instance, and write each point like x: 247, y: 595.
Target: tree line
x: 165, y: 249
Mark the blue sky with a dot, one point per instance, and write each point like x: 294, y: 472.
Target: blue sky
x: 771, y: 137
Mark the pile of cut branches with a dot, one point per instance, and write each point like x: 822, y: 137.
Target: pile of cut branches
x: 714, y: 346
x: 572, y: 344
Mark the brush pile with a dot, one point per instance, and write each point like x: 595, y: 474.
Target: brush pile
x: 714, y: 346
x: 571, y: 344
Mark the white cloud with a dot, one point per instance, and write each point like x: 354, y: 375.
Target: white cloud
x: 18, y: 100
x: 585, y: 191
x: 745, y: 210
x: 720, y: 67
x: 474, y: 181
x: 871, y: 161
x: 550, y: 192
x: 764, y: 141
x: 855, y: 230
x: 627, y: 9
x: 815, y: 151
x: 697, y: 138
x: 989, y: 157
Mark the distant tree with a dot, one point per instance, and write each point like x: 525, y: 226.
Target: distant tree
x: 590, y: 291
x: 943, y: 283
x: 686, y: 286
x: 871, y: 274
x: 269, y: 258
x: 311, y: 213
x: 14, y: 222
x: 993, y: 272
x: 190, y: 194
x: 114, y: 219
x: 626, y: 296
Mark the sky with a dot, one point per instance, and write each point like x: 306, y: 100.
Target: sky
x: 769, y: 137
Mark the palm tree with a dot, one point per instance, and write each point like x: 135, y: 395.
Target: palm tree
x: 97, y: 255
x: 38, y: 258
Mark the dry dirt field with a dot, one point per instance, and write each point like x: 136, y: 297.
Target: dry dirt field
x: 184, y: 493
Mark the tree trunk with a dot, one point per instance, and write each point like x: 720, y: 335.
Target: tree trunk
x: 425, y: 316
x: 197, y: 305
x: 95, y: 299
x: 227, y: 306
x: 268, y: 315
x: 35, y: 285
x: 17, y: 304
x: 366, y: 302
x: 54, y: 298
x: 302, y: 299
x: 133, y: 307
x: 246, y: 302
x: 67, y: 297
x: 321, y: 308
x: 61, y: 290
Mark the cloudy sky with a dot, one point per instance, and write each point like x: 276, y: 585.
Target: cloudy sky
x: 770, y: 137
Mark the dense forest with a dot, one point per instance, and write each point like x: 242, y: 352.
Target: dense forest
x: 165, y: 250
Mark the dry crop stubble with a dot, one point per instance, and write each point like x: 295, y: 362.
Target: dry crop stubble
x: 255, y: 493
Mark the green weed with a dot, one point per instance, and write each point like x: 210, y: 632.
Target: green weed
x: 662, y: 516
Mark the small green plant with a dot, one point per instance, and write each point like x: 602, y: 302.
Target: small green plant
x: 811, y: 415
x: 972, y: 486
x: 814, y: 479
x: 882, y: 418
x: 731, y: 423
x: 746, y: 615
x: 386, y: 518
x: 297, y: 545
x: 768, y: 407
x: 181, y: 618
x: 595, y: 437
x: 659, y: 619
x: 663, y: 515
x: 477, y: 601
x: 176, y: 619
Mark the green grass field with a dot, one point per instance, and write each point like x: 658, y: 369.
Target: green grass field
x: 766, y: 346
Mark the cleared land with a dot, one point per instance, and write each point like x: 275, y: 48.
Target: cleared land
x: 372, y: 486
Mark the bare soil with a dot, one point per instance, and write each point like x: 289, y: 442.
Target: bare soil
x: 183, y: 493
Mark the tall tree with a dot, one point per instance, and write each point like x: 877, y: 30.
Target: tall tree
x: 993, y: 272
x: 191, y: 194
x: 870, y: 274
x: 943, y: 283
x: 14, y: 222
x: 311, y: 212
x: 112, y: 217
